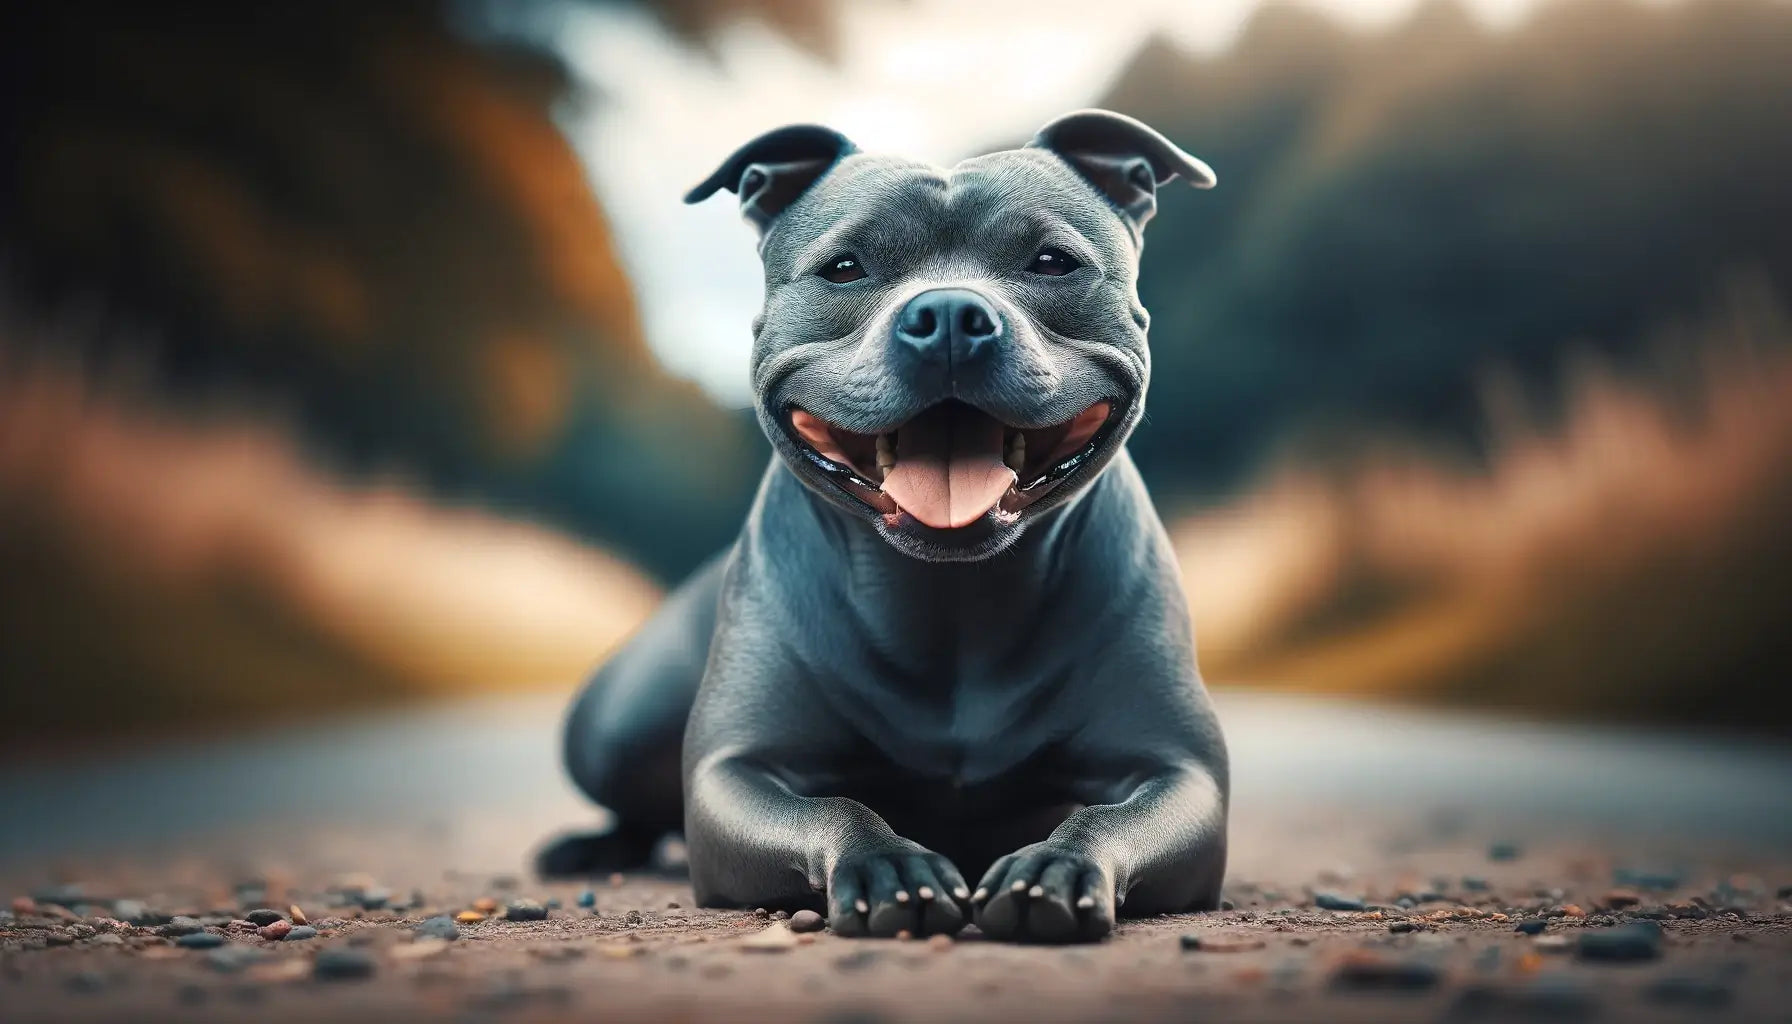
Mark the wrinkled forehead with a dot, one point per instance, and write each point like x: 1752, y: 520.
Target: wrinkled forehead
x: 1017, y: 197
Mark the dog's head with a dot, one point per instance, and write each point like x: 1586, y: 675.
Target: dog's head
x: 950, y: 353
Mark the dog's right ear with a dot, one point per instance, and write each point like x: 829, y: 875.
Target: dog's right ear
x: 774, y: 170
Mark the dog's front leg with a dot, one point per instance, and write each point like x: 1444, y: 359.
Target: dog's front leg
x: 755, y: 842
x: 1160, y: 849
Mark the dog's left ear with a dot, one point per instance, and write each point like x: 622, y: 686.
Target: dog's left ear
x: 1125, y: 159
x: 775, y: 169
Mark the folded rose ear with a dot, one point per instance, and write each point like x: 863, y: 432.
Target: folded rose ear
x: 1126, y: 160
x: 775, y: 169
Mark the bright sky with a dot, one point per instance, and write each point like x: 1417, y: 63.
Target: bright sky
x: 932, y: 79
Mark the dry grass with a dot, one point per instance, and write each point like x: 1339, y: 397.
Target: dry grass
x: 1633, y: 560
x: 176, y: 567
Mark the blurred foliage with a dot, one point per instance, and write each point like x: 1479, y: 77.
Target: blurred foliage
x: 1630, y: 561
x: 1402, y: 213
x: 373, y: 223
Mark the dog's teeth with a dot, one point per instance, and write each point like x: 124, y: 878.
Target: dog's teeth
x: 886, y: 453
x: 1016, y: 456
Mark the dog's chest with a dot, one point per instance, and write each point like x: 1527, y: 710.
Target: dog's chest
x: 960, y: 725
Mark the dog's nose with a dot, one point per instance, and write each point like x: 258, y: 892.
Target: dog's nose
x: 953, y: 324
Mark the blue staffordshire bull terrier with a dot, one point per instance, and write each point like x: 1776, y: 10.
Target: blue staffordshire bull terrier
x: 950, y: 642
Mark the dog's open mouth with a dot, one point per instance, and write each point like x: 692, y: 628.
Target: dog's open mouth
x: 951, y: 465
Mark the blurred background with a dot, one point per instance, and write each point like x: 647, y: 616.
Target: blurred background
x: 362, y: 353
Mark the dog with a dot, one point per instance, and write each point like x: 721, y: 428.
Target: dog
x: 950, y: 641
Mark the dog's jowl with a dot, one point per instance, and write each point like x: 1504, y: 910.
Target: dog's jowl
x: 945, y: 674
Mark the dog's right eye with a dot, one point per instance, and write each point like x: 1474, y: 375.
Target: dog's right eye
x: 843, y: 269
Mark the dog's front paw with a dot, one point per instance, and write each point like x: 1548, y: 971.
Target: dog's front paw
x: 1045, y: 893
x: 908, y: 890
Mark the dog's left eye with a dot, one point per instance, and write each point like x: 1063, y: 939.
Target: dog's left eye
x: 843, y: 269
x: 1053, y: 262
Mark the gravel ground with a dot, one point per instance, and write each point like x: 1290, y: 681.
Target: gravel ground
x: 1382, y: 903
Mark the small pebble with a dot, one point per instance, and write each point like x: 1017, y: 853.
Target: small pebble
x: 775, y: 938
x: 940, y: 943
x: 263, y: 916
x: 300, y: 933
x: 200, y: 940
x: 1504, y: 851
x: 134, y: 911
x: 485, y: 905
x: 374, y: 899
x: 469, y: 917
x: 807, y: 921
x: 1370, y: 972
x: 588, y: 899
x: 1531, y: 926
x: 1656, y: 880
x: 616, y: 880
x: 342, y: 965
x: 1550, y: 944
x: 297, y: 915
x: 1639, y: 940
x: 1618, y: 899
x: 1333, y: 901
x: 1221, y: 943
x: 276, y: 930
x: 438, y: 928
x: 1402, y: 927
x: 1474, y: 883
x: 179, y: 926
x: 525, y: 910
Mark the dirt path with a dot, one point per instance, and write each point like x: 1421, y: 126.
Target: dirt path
x: 373, y: 828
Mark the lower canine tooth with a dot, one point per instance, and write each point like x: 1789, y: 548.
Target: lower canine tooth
x: 886, y: 453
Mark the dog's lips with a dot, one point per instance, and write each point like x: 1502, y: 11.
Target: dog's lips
x: 953, y: 464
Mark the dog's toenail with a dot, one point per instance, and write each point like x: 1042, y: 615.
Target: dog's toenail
x: 1036, y: 892
x: 980, y: 895
x: 962, y: 893
x: 861, y: 906
x: 1086, y: 903
x: 925, y: 892
x: 901, y: 897
x: 1018, y: 887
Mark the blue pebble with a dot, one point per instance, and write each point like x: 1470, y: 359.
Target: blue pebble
x: 438, y: 928
x: 587, y: 899
x: 200, y: 940
x: 1333, y: 901
x: 1639, y: 940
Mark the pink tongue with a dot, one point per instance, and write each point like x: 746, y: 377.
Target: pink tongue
x: 949, y: 468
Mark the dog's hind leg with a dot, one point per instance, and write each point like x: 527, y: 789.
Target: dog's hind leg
x: 624, y: 734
